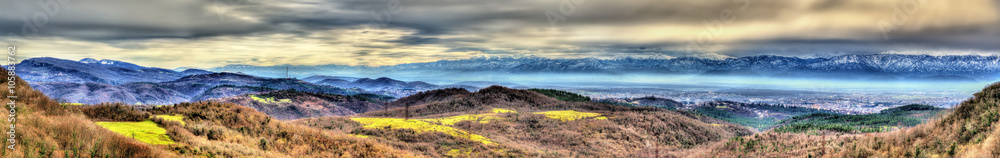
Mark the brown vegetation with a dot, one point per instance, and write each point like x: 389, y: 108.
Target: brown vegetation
x: 47, y: 129
x: 288, y: 104
x: 230, y: 130
x: 44, y: 128
x: 426, y: 144
x: 627, y: 131
x: 114, y: 112
x: 429, y: 96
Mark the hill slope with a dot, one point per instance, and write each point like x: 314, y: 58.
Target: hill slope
x: 968, y: 130
x: 44, y: 128
x: 211, y: 129
x: 523, y: 123
x: 383, y: 84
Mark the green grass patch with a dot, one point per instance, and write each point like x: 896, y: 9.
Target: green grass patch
x: 481, y: 118
x: 499, y: 110
x: 570, y: 115
x: 269, y: 100
x: 419, y: 126
x: 442, y: 125
x: 459, y: 153
x: 145, y: 131
x: 360, y: 135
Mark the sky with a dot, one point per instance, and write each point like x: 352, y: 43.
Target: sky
x: 212, y: 33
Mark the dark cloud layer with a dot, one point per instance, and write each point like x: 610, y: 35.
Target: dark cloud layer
x: 421, y: 28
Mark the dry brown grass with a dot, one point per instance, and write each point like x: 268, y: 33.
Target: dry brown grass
x: 230, y: 130
x: 47, y: 129
x: 627, y: 132
x: 114, y: 112
x: 44, y: 128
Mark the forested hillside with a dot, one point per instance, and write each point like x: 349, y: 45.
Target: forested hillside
x: 884, y: 121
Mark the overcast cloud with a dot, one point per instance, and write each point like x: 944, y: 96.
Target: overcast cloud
x: 209, y: 33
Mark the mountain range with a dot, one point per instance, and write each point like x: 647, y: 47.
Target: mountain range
x: 379, y: 84
x: 48, y: 69
x: 186, y: 89
x: 857, y: 66
x: 93, y: 81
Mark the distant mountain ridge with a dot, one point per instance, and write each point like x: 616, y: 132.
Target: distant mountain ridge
x: 856, y: 66
x: 195, y: 72
x: 119, y: 76
x: 382, y: 83
x: 318, y: 78
x: 394, y: 87
x: 47, y: 69
x: 94, y: 81
x: 189, y: 88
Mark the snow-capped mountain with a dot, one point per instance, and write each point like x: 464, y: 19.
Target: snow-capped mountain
x: 48, y: 69
x: 859, y: 66
x: 114, y: 63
